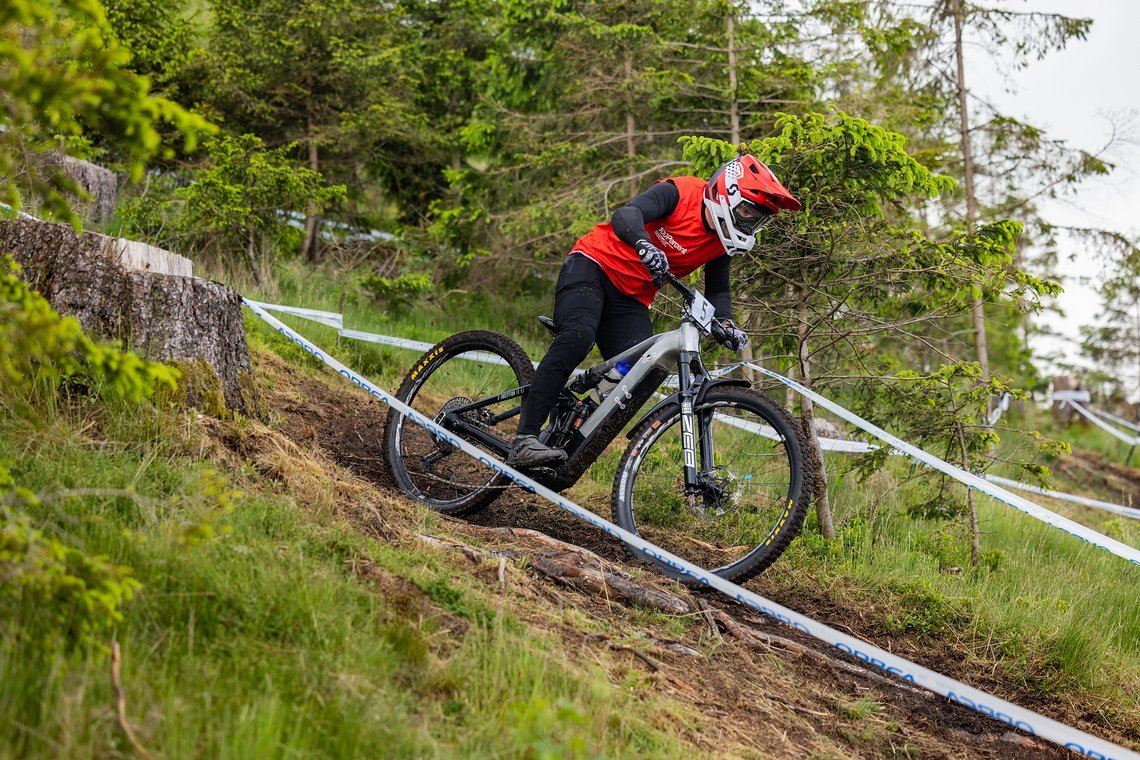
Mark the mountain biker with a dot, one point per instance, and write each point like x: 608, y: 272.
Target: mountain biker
x: 612, y: 274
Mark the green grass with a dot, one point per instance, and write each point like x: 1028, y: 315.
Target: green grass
x: 1042, y: 605
x: 257, y: 638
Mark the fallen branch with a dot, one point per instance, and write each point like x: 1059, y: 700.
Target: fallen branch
x: 653, y: 664
x: 553, y: 543
x: 706, y: 613
x: 638, y: 654
x: 571, y: 566
x: 567, y: 568
x: 121, y: 703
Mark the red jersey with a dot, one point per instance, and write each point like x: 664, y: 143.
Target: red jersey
x: 682, y: 235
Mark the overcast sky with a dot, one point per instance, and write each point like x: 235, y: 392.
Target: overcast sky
x: 1080, y: 95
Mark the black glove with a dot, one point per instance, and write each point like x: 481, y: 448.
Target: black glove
x: 732, y: 336
x: 653, y: 258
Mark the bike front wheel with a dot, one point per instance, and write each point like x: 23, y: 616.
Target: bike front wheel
x: 753, y: 494
x: 450, y: 379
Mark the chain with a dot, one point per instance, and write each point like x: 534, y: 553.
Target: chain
x: 457, y: 484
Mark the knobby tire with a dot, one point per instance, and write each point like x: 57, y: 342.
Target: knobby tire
x: 787, y: 520
x: 397, y: 427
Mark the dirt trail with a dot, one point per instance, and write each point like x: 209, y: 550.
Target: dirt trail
x: 773, y: 703
x: 1087, y: 469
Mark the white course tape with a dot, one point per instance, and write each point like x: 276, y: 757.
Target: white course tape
x: 1082, y: 396
x: 1114, y: 418
x: 1094, y: 503
x: 19, y: 213
x: 976, y: 699
x: 1130, y: 440
x: 388, y: 340
x: 1001, y: 408
x: 827, y: 444
x: 970, y: 479
x: 326, y: 318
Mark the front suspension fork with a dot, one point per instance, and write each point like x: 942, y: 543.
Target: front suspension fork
x: 691, y: 422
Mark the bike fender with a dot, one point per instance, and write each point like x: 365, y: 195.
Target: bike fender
x: 708, y: 385
x: 675, y: 399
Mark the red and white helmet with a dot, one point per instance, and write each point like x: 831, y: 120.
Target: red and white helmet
x: 742, y: 197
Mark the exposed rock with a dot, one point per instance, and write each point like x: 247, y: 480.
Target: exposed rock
x: 194, y: 323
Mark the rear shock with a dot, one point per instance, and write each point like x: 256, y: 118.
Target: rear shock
x: 571, y: 413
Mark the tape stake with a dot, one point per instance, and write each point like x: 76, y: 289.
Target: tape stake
x: 976, y: 699
x: 970, y: 479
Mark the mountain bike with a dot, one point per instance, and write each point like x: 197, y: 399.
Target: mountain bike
x: 716, y: 473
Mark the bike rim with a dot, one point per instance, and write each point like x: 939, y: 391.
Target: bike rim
x: 434, y: 472
x: 721, y: 532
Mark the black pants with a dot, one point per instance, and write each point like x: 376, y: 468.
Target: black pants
x: 587, y: 309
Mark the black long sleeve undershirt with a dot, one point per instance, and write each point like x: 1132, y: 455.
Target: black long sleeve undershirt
x: 659, y: 202
x: 717, y: 288
x: 655, y: 203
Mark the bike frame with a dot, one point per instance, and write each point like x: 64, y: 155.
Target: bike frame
x: 679, y: 348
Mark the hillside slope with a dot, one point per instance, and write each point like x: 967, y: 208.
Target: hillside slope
x: 318, y: 613
x: 774, y: 699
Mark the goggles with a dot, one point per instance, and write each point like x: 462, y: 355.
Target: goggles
x: 749, y: 217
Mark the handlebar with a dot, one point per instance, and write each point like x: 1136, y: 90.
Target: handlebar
x: 716, y: 329
x: 685, y: 291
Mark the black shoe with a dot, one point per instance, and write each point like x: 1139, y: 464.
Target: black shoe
x: 528, y: 452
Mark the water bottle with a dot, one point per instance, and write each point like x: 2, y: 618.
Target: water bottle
x: 609, y: 382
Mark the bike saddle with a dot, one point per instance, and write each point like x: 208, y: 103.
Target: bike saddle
x: 548, y: 323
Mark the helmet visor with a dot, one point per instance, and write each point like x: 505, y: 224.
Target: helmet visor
x: 748, y: 217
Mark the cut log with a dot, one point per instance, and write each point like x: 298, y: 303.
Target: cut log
x: 100, y: 184
x: 104, y: 283
x: 1062, y: 412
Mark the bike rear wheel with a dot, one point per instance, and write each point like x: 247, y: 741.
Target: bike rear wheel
x: 754, y: 500
x: 466, y: 367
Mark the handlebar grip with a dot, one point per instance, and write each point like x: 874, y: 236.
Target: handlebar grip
x: 658, y: 280
x: 719, y: 334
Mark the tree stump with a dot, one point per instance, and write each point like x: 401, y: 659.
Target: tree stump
x: 100, y: 184
x: 1064, y: 413
x: 147, y: 299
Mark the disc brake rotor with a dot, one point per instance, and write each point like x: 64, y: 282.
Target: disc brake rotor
x: 719, y: 494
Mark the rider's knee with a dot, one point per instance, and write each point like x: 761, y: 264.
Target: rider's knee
x: 574, y: 341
